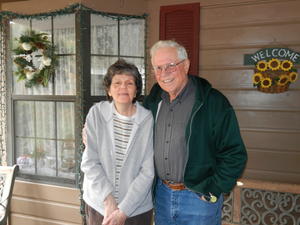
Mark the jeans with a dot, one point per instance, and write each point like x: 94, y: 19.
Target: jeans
x: 184, y: 208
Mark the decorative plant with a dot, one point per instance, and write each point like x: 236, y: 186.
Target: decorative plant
x: 274, y: 75
x: 34, y: 58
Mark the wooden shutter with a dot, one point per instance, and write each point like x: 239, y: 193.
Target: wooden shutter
x: 182, y: 24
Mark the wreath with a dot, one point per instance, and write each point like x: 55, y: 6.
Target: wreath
x: 34, y: 58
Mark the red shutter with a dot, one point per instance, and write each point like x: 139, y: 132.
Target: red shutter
x: 181, y: 23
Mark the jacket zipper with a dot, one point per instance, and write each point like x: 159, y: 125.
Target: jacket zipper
x: 188, y: 144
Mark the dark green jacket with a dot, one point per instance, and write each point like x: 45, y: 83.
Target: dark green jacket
x: 216, y: 152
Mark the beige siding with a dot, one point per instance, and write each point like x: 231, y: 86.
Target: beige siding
x: 42, y: 204
x: 270, y: 123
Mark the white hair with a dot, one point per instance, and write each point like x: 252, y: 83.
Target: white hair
x: 181, y: 51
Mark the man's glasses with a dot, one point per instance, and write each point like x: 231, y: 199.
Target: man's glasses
x: 168, y: 68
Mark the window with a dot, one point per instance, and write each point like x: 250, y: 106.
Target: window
x: 43, y: 117
x: 44, y: 120
x: 112, y: 39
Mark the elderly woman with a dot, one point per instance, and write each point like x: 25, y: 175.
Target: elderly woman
x: 118, y: 159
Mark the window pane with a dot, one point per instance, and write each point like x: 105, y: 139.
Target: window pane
x: 66, y: 137
x: 17, y: 28
x: 42, y: 26
x: 132, y: 37
x: 99, y: 66
x: 104, y: 35
x: 44, y: 138
x: 64, y: 34
x: 45, y: 156
x: 24, y: 154
x: 65, y: 120
x: 24, y: 119
x: 20, y: 89
x: 66, y: 159
x: 65, y: 76
x: 45, y: 120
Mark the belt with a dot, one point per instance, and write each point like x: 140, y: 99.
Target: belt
x: 174, y: 186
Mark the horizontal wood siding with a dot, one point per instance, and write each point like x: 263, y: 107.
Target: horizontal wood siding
x: 270, y: 123
x: 42, y: 204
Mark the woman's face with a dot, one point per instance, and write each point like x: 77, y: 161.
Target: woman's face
x: 122, y: 89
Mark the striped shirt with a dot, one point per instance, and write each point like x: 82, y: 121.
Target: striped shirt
x: 122, y: 126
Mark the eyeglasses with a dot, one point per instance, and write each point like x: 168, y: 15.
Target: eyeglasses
x: 168, y: 68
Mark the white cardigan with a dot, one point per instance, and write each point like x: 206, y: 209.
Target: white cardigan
x: 98, y: 161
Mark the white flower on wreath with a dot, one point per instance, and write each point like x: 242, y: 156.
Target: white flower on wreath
x: 29, y: 74
x: 26, y: 46
x: 21, y: 55
x: 42, y: 66
x: 28, y: 68
x: 45, y: 37
x: 46, y: 61
x: 40, y: 51
x: 28, y: 58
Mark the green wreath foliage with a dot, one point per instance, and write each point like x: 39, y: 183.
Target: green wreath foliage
x: 35, y: 59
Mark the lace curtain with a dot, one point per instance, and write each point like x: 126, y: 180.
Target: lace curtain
x: 110, y: 40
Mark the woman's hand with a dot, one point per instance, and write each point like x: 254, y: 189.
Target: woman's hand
x: 110, y: 205
x: 83, y: 135
x: 116, y: 218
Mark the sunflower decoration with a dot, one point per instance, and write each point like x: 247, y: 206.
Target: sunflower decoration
x: 266, y: 82
x: 283, y: 80
x: 293, y: 76
x: 274, y: 75
x: 35, y: 59
x: 257, y: 77
x: 286, y: 65
x: 262, y: 65
x: 274, y: 64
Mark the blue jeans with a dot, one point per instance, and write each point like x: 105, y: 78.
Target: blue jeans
x: 184, y: 208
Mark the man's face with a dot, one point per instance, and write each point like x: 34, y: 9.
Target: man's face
x: 170, y: 72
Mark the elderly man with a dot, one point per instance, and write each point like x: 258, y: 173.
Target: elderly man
x: 198, y: 150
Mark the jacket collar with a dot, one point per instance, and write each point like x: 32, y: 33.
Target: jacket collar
x: 107, y: 109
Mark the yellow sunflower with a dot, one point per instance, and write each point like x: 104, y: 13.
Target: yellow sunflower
x: 256, y: 78
x: 266, y: 82
x: 286, y: 65
x: 283, y: 79
x: 274, y: 64
x: 262, y: 65
x: 293, y: 76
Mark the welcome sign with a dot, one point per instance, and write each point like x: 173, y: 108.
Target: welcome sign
x: 270, y: 53
x: 274, y: 69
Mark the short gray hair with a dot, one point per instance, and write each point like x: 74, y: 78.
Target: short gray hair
x: 181, y: 51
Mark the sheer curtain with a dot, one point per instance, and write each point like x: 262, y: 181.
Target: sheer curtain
x: 112, y: 38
